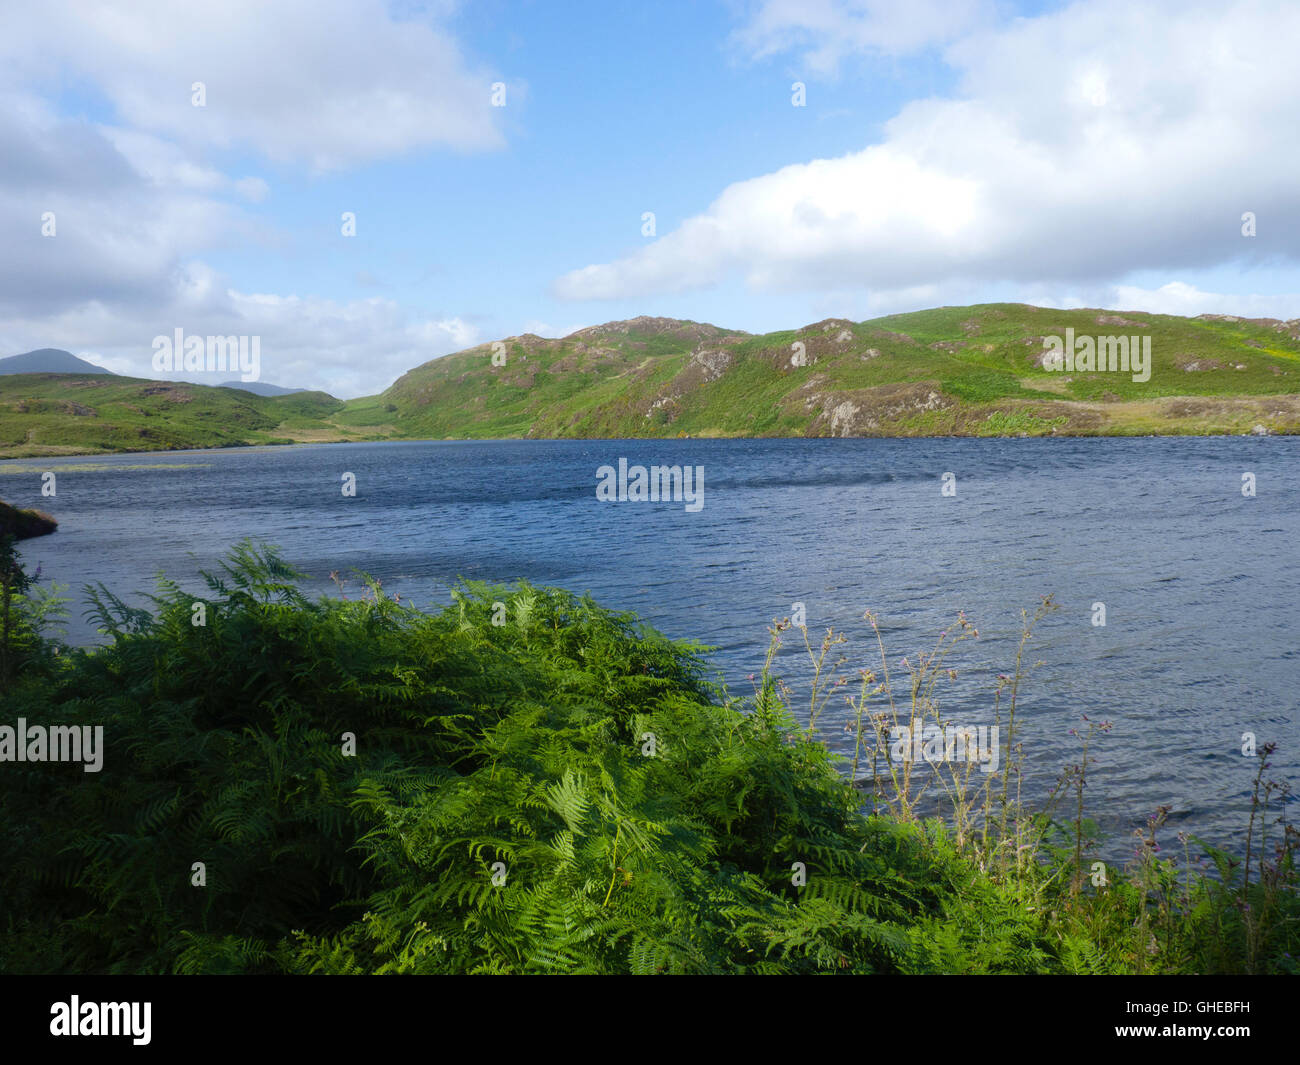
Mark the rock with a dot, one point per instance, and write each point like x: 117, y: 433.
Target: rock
x: 24, y: 524
x: 839, y: 326
x: 712, y: 364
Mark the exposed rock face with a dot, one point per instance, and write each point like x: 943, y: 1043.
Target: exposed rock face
x: 667, y: 404
x: 828, y: 325
x: 703, y: 367
x: 869, y: 411
x: 712, y: 364
x: 843, y: 417
x: 1115, y: 319
x: 597, y: 350
x: 840, y: 330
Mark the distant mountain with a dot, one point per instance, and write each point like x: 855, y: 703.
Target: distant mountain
x: 49, y: 360
x: 261, y: 388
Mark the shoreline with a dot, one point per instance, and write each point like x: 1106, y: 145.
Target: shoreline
x: 38, y: 453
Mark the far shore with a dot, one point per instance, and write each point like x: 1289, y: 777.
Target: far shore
x: 20, y: 453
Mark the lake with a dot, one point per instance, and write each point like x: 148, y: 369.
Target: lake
x: 1200, y: 583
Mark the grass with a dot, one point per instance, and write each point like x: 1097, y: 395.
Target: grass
x: 642, y: 379
x: 57, y: 414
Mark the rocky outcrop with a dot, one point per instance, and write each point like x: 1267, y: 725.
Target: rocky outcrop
x: 24, y: 524
x: 870, y: 411
x: 648, y: 326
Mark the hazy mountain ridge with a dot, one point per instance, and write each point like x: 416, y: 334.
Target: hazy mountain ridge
x: 262, y: 388
x: 49, y: 360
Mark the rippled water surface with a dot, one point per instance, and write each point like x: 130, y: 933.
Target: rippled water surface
x: 1200, y: 583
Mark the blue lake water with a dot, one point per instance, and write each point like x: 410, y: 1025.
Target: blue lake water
x: 1199, y: 582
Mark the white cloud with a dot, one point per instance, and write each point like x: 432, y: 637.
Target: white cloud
x: 124, y: 211
x: 1084, y: 145
x: 135, y: 204
x: 827, y: 31
x: 1178, y: 297
x: 329, y: 83
x: 345, y: 348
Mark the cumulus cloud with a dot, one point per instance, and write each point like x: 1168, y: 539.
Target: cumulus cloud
x: 1181, y: 298
x: 328, y: 83
x: 103, y: 224
x: 1081, y: 146
x: 89, y: 213
x: 348, y: 349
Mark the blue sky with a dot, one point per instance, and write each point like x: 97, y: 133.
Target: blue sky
x: 610, y: 113
x: 950, y: 151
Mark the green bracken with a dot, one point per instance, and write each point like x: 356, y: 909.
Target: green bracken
x: 525, y: 782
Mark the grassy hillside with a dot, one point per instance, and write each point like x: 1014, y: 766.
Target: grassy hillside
x: 58, y: 414
x: 965, y: 371
x: 968, y: 371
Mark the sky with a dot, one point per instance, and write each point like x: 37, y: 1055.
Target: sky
x: 801, y: 159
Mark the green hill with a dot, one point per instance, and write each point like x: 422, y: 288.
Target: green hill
x: 71, y: 414
x: 960, y: 371
x: 968, y: 371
